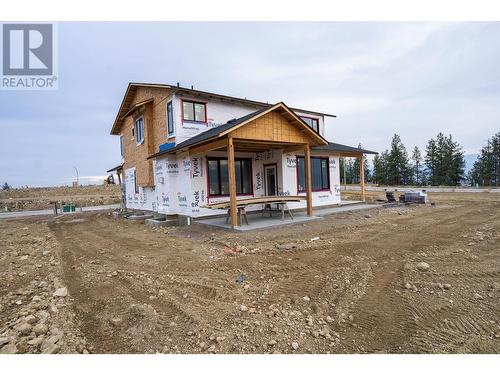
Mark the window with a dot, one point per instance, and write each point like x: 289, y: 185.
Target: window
x: 170, y: 119
x: 135, y: 182
x: 121, y: 145
x: 139, y: 130
x: 218, y: 176
x: 312, y: 122
x: 320, y: 174
x: 194, y: 111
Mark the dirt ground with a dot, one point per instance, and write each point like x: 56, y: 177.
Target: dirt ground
x: 349, y: 283
x: 41, y: 198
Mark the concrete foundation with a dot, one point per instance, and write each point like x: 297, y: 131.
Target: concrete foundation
x: 140, y: 217
x: 161, y: 222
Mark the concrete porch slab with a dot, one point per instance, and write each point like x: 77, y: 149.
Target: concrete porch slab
x: 256, y: 221
x: 345, y: 208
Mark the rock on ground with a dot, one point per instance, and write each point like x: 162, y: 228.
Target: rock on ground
x: 422, y: 266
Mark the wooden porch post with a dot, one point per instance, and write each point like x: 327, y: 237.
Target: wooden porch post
x: 307, y: 162
x: 232, y: 182
x: 119, y: 177
x: 362, y: 177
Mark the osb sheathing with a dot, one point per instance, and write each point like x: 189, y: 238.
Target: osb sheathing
x: 155, y: 132
x: 272, y: 126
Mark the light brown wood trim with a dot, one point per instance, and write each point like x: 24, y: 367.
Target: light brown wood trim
x: 349, y: 154
x: 264, y: 199
x: 362, y: 178
x: 307, y: 162
x: 315, y: 135
x: 209, y: 146
x: 135, y: 106
x: 232, y: 182
x: 295, y: 148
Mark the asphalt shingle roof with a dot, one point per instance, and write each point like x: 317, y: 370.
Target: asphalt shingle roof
x: 342, y: 148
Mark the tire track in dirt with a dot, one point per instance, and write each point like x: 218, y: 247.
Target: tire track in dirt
x: 385, y: 317
x: 170, y: 284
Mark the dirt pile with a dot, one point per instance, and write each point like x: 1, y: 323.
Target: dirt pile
x: 35, y: 308
x: 40, y: 198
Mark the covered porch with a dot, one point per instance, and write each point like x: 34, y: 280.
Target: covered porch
x: 350, y: 152
x: 236, y: 204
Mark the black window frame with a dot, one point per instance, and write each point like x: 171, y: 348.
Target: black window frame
x: 236, y: 160
x: 170, y: 119
x: 299, y: 177
x: 313, y: 120
x: 194, y: 102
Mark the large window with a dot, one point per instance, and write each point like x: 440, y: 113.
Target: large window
x: 139, y: 130
x: 194, y: 111
x: 320, y: 175
x: 218, y: 176
x: 312, y: 122
x: 170, y: 119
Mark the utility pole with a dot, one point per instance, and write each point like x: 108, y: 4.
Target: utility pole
x: 77, y: 182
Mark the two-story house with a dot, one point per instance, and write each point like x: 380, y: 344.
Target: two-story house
x: 178, y: 146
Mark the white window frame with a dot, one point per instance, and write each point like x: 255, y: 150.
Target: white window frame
x: 170, y: 134
x: 141, y: 141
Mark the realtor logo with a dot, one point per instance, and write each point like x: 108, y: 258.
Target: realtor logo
x: 28, y: 56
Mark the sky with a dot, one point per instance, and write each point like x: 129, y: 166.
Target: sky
x: 414, y: 79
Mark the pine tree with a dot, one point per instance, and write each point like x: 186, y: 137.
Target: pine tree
x: 456, y: 174
x: 431, y: 161
x: 6, y: 186
x: 444, y: 160
x: 347, y: 169
x: 380, y: 168
x: 486, y: 169
x: 356, y: 179
x: 398, y: 169
x: 416, y: 157
x: 355, y: 171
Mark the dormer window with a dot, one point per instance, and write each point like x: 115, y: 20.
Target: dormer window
x: 312, y: 122
x: 194, y: 111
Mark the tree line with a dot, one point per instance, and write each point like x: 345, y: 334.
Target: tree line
x: 441, y: 163
x: 486, y: 169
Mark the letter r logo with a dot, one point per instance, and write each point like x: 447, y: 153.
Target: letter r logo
x: 27, y: 49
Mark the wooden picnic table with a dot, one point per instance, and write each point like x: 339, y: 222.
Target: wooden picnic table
x: 265, y: 200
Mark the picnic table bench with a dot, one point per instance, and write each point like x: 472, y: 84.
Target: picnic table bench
x: 267, y: 201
